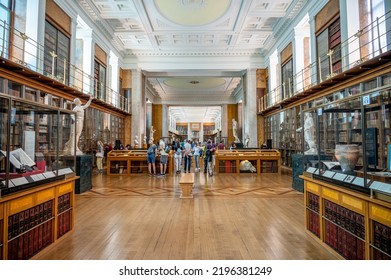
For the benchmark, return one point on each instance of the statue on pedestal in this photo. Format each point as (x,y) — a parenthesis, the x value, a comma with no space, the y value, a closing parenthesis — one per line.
(246,140)
(151,132)
(309,134)
(77,128)
(235,130)
(136,141)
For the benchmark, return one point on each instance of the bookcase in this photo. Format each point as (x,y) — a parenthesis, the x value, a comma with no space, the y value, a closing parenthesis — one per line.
(33,219)
(352,224)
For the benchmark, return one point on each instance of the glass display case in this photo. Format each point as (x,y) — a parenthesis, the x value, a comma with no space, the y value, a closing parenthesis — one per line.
(32,142)
(347,142)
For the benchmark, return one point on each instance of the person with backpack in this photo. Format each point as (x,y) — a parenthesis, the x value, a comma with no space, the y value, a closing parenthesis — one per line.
(164,150)
(151,158)
(188,156)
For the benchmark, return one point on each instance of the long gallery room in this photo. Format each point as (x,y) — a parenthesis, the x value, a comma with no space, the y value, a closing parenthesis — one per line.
(195,130)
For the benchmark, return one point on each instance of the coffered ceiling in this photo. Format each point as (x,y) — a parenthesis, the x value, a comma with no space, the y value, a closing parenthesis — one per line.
(192,51)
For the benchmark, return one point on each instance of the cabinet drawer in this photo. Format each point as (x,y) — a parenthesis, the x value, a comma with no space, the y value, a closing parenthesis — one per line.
(380,214)
(331,195)
(65,188)
(45,195)
(20,204)
(353,203)
(311,187)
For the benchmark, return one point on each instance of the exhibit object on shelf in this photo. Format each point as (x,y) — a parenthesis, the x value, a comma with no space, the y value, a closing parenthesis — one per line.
(72,146)
(245,165)
(347,156)
(136,140)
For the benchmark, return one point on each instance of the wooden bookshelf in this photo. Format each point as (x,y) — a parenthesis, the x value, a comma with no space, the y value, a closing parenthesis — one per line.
(31,220)
(353,225)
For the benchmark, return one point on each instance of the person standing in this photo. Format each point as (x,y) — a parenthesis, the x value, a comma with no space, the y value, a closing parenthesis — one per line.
(188,156)
(178,156)
(151,158)
(197,152)
(99,157)
(163,150)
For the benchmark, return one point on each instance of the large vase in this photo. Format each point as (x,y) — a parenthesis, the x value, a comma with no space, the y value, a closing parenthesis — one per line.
(347,156)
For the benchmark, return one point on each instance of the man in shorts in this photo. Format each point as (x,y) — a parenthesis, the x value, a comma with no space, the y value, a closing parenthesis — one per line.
(151,158)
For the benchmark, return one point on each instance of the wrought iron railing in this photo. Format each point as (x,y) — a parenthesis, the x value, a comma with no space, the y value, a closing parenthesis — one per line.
(17,47)
(368,43)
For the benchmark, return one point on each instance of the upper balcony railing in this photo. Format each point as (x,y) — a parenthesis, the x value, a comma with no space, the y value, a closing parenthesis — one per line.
(368,44)
(16,47)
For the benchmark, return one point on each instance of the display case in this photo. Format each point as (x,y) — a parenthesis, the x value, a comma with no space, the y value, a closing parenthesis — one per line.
(347,180)
(32,141)
(349,144)
(133,162)
(248,161)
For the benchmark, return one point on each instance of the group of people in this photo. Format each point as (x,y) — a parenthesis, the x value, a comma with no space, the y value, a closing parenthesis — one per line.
(201,152)
(184,153)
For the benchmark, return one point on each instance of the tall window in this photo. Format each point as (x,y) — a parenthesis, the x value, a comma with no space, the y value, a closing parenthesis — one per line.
(100,80)
(56,58)
(5,19)
(328,44)
(287,79)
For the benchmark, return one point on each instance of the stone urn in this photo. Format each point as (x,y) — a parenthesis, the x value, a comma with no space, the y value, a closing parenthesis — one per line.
(347,156)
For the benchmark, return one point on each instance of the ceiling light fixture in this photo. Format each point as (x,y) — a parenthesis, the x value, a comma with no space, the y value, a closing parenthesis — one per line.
(194,82)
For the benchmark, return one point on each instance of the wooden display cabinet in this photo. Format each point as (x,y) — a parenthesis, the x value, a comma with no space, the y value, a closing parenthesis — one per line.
(264,161)
(133,162)
(31,220)
(352,224)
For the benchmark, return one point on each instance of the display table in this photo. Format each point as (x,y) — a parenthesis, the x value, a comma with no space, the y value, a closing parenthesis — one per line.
(353,224)
(32,219)
(262,161)
(133,162)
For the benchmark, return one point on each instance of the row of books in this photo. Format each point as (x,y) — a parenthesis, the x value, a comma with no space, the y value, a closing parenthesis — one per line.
(227,166)
(378,255)
(269,166)
(25,246)
(314,223)
(345,243)
(64,223)
(64,202)
(349,220)
(382,237)
(313,201)
(27,219)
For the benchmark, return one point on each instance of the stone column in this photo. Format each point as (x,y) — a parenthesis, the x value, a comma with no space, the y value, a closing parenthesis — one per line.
(250,108)
(138,106)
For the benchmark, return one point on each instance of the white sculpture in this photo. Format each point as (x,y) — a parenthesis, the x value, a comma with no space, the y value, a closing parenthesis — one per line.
(245,165)
(309,134)
(136,140)
(151,132)
(235,130)
(246,140)
(77,128)
(145,140)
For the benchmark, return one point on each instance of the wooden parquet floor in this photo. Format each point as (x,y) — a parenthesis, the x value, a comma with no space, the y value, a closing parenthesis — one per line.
(223,185)
(231,217)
